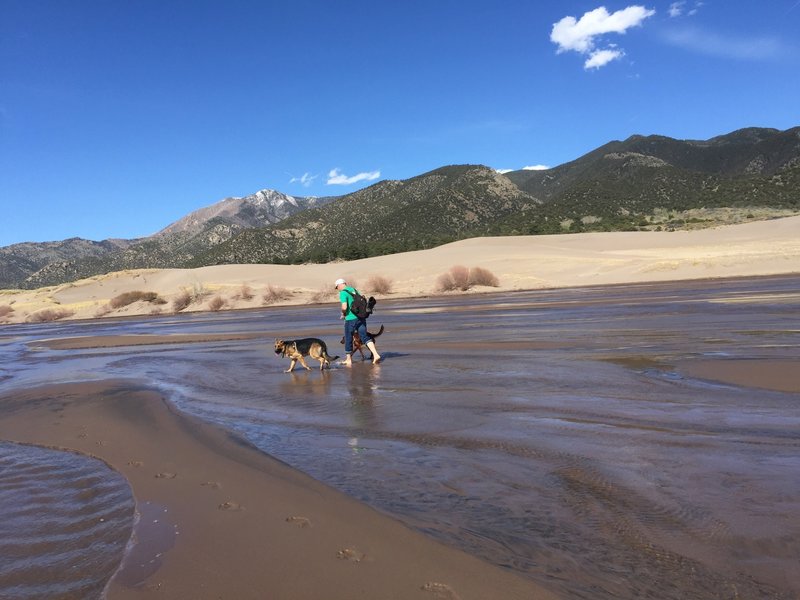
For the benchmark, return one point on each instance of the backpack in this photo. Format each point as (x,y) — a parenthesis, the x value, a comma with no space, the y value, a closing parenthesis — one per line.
(360,306)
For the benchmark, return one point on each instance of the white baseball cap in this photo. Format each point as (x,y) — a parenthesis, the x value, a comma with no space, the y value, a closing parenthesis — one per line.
(339,282)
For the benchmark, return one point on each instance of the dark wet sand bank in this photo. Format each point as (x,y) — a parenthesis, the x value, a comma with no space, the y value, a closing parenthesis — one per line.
(219,519)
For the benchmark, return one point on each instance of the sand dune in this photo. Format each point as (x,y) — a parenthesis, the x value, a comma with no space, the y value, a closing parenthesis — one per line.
(520,263)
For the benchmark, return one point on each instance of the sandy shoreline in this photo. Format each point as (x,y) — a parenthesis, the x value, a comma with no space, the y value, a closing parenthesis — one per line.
(242,525)
(520,263)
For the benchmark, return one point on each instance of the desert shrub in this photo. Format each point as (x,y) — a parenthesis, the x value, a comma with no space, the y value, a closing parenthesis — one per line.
(275,294)
(131,297)
(481,276)
(245,293)
(181,301)
(444,283)
(216,303)
(460,277)
(49,314)
(378,284)
(5,310)
(324,294)
(103,311)
(199,292)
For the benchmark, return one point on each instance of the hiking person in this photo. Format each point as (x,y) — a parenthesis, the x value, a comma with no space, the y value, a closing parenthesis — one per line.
(353,323)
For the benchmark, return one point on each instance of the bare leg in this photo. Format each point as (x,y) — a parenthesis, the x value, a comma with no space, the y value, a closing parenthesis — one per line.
(376,358)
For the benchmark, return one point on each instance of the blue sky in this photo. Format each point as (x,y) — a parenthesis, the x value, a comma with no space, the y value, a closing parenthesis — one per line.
(119,117)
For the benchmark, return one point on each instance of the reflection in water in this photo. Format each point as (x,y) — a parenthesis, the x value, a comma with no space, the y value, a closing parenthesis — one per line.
(563,440)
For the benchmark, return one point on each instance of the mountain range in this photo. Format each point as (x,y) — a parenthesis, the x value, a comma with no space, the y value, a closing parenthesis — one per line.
(643,182)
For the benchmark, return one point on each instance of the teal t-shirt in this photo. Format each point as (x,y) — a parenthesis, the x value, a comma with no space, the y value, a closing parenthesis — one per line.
(345,297)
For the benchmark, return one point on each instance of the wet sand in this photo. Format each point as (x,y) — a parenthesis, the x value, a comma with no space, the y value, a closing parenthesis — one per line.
(220,519)
(632,441)
(780,375)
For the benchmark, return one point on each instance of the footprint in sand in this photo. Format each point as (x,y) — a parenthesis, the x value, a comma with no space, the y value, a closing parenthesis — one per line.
(299,521)
(166,475)
(351,554)
(135,463)
(83,435)
(214,485)
(440,590)
(230,505)
(101,443)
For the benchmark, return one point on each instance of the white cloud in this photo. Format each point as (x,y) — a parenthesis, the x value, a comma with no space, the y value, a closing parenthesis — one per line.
(677,9)
(503,171)
(573,35)
(306,179)
(737,47)
(335,177)
(601,58)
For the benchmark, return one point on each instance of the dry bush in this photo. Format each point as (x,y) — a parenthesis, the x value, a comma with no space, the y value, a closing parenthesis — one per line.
(378,284)
(181,301)
(444,283)
(245,293)
(324,294)
(5,310)
(103,311)
(275,294)
(49,314)
(460,276)
(216,303)
(199,292)
(131,297)
(481,276)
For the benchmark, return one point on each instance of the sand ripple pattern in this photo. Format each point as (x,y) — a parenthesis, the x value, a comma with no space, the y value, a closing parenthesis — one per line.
(66,521)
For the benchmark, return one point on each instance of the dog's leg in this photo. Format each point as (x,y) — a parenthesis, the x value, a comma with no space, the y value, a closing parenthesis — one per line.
(291,366)
(303,362)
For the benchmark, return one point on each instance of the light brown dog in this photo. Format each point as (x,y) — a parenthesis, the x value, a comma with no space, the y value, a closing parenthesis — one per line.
(358,345)
(296,350)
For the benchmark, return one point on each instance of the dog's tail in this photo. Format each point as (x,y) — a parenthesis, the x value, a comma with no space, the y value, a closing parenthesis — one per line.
(325,354)
(374,335)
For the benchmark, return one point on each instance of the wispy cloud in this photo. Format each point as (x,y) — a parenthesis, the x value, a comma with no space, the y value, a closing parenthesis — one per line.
(740,47)
(584,35)
(336,177)
(305,180)
(678,9)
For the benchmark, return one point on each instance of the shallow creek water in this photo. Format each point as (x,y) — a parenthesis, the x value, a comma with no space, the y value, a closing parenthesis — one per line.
(552,432)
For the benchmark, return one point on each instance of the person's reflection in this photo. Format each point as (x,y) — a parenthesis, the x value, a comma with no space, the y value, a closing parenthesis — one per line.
(363,385)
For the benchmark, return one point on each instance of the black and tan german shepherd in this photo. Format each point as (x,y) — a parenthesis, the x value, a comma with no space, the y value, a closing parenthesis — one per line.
(358,345)
(298,349)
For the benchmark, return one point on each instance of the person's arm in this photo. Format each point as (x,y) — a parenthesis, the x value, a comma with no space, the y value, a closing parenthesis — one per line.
(344,310)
